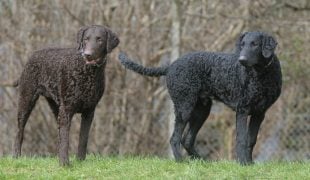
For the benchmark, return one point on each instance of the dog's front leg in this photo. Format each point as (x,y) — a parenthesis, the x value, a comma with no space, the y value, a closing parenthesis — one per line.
(87,119)
(254,124)
(241,137)
(64,122)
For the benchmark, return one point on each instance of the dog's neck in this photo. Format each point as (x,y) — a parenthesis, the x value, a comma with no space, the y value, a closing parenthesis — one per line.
(261,69)
(270,62)
(101,63)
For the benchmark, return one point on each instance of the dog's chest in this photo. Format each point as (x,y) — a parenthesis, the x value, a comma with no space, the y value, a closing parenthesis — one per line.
(260,95)
(85,89)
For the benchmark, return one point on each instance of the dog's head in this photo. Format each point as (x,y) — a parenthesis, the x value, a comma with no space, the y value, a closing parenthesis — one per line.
(256,48)
(95,42)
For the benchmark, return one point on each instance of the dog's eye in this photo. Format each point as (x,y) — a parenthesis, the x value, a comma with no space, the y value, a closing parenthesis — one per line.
(254,43)
(86,38)
(98,39)
(242,44)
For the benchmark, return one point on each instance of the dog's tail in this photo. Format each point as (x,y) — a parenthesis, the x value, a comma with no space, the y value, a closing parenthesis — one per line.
(147,71)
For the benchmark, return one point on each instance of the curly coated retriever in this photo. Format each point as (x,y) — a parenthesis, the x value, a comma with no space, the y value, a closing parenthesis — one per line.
(248,81)
(72,81)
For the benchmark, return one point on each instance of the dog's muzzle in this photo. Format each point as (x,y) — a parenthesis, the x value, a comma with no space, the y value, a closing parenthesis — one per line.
(243,60)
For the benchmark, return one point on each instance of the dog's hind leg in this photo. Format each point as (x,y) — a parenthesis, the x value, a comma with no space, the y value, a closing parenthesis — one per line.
(183,111)
(198,117)
(26,102)
(175,140)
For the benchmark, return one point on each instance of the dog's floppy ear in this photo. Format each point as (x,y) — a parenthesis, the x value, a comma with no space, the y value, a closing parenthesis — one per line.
(269,44)
(112,40)
(238,42)
(80,36)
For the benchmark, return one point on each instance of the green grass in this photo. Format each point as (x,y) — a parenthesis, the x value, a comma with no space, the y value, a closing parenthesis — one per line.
(99,167)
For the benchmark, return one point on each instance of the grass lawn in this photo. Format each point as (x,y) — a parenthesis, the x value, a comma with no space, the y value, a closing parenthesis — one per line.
(100,167)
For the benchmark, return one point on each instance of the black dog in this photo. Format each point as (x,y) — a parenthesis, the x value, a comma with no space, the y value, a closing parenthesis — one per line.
(72,80)
(248,81)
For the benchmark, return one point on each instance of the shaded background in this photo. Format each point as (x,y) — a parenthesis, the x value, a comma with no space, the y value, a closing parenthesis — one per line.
(134,115)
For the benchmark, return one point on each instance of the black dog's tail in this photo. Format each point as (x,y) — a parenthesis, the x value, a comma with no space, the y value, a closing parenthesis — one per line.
(129,64)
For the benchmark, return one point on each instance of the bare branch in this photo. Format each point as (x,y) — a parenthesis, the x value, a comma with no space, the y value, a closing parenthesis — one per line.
(73,16)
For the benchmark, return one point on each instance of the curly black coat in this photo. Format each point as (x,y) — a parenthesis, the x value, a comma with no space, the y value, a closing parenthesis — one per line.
(248,81)
(72,80)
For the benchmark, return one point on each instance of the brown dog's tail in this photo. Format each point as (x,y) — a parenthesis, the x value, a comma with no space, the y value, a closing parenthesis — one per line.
(147,71)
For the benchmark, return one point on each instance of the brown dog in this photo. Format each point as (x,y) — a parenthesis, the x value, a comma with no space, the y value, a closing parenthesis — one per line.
(72,81)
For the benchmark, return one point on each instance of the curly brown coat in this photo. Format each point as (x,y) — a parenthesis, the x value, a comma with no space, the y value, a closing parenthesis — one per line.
(72,80)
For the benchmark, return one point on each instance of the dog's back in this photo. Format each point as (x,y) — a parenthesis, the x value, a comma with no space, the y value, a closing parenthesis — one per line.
(221,77)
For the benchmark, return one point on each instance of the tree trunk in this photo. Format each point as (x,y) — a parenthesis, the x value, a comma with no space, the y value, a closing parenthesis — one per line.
(175,53)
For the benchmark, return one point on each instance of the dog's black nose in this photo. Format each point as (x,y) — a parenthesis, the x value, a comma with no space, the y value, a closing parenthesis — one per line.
(87,56)
(243,60)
